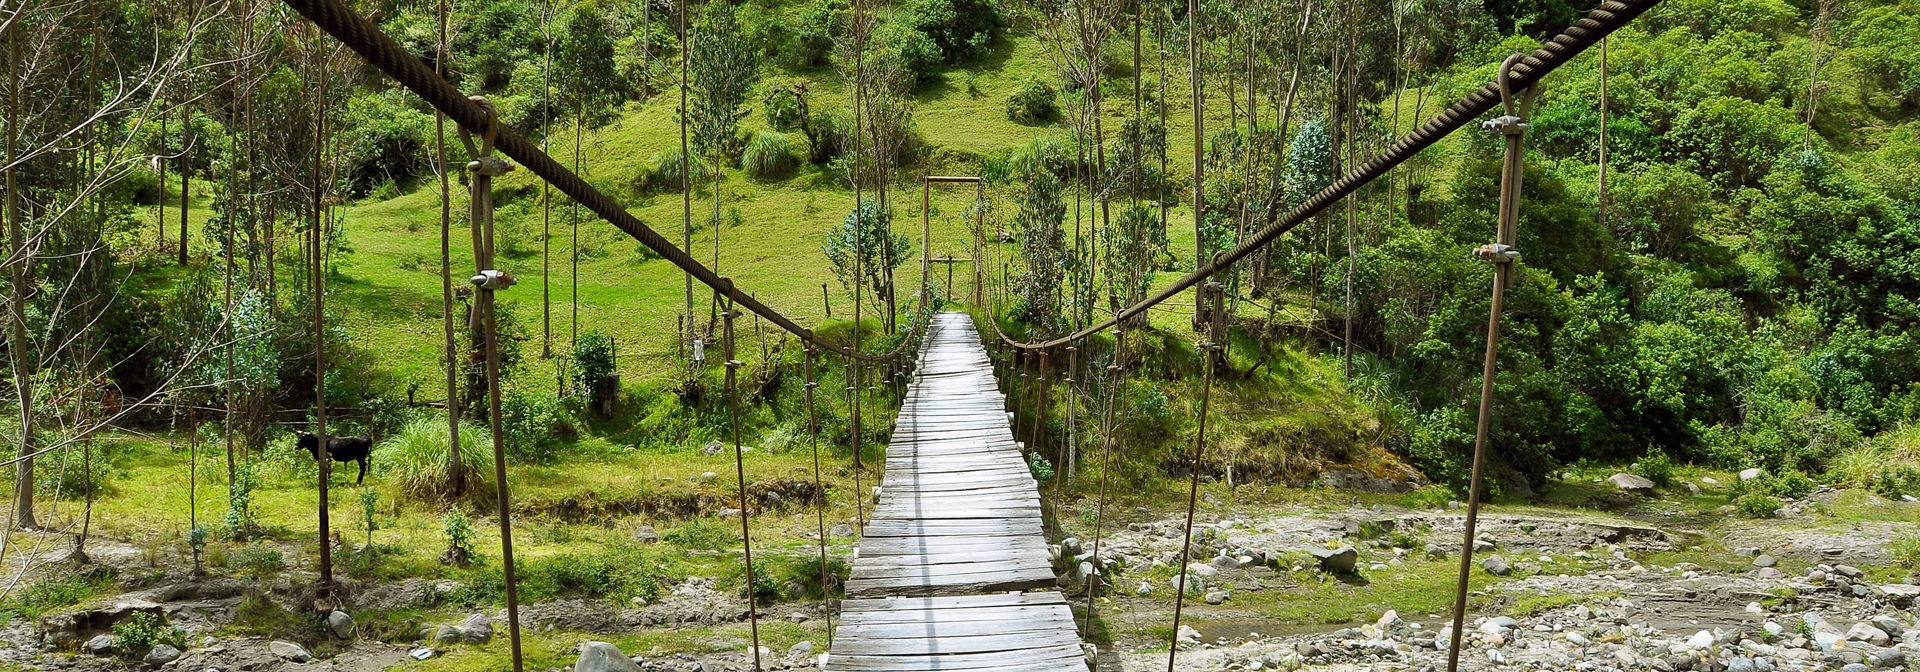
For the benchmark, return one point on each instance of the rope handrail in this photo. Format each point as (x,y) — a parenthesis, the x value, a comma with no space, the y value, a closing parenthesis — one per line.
(1599,22)
(380,50)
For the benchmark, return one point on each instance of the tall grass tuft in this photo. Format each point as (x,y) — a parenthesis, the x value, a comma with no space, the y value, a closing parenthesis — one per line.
(418,466)
(769,156)
(1889,464)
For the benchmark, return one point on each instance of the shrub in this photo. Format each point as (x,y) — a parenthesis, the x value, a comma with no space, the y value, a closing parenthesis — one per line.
(918,54)
(137,635)
(816,30)
(417,460)
(1033,103)
(459,533)
(239,517)
(1655,466)
(1757,505)
(782,108)
(769,156)
(959,29)
(534,425)
(1041,468)
(832,136)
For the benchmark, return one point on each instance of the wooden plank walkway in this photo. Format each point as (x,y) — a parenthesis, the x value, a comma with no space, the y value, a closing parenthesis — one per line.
(939,579)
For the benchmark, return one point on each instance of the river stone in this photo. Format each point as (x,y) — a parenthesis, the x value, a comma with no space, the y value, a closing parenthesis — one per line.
(1889,658)
(100,645)
(1764,560)
(1751,474)
(1216,597)
(1848,571)
(801,649)
(1740,664)
(1631,483)
(289,651)
(1496,565)
(1864,632)
(841,530)
(477,629)
(713,447)
(603,657)
(1335,560)
(1700,640)
(645,534)
(161,655)
(1188,635)
(341,624)
(1855,667)
(1202,571)
(1225,562)
(1888,624)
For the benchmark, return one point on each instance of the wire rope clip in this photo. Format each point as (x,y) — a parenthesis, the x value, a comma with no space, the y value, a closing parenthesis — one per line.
(493,280)
(1495,253)
(490,166)
(734,363)
(1505,125)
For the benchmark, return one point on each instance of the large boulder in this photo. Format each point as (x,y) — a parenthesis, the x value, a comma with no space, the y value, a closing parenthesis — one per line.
(161,655)
(289,651)
(100,645)
(1496,565)
(341,624)
(1335,560)
(645,534)
(1633,483)
(603,657)
(477,629)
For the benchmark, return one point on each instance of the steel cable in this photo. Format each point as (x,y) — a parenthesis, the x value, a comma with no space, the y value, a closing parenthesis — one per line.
(340,20)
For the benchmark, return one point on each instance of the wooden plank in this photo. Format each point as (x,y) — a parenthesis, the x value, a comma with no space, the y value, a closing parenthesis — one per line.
(957,526)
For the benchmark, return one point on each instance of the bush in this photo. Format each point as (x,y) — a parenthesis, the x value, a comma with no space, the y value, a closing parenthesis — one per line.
(1041,468)
(459,533)
(134,637)
(1033,103)
(1655,466)
(832,136)
(1757,505)
(418,460)
(258,561)
(959,29)
(534,425)
(816,30)
(769,156)
(917,53)
(782,108)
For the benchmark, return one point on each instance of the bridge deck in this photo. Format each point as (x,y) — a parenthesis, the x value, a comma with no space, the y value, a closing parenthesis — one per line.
(956,536)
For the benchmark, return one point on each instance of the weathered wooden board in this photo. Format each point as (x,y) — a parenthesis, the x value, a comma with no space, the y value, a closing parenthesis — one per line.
(956,537)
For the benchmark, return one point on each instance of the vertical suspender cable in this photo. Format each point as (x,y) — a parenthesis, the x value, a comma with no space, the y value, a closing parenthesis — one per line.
(1115,378)
(740,474)
(486,281)
(1213,291)
(1513,126)
(317,283)
(820,490)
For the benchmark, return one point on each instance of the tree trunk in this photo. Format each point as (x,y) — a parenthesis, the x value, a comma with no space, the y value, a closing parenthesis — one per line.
(456,469)
(23,360)
(1199,157)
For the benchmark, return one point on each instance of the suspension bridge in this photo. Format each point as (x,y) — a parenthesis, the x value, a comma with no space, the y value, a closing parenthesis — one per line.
(943,570)
(953,568)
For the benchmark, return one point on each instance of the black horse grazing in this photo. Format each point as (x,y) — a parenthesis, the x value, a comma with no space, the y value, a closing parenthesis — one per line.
(340,449)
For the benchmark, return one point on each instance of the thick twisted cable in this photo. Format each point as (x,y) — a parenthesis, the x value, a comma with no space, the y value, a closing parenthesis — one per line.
(1598,23)
(379,50)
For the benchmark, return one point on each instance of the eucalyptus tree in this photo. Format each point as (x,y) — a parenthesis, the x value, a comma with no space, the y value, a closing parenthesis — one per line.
(588,84)
(725,67)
